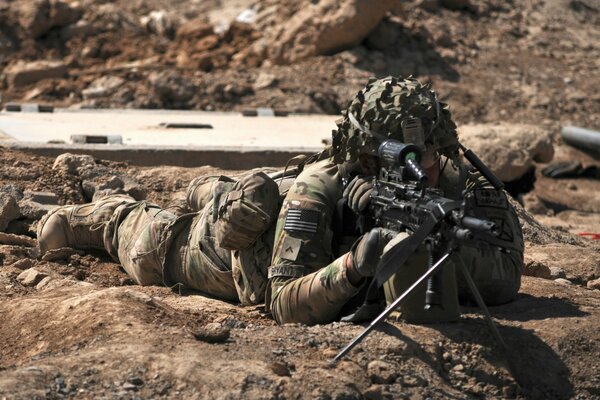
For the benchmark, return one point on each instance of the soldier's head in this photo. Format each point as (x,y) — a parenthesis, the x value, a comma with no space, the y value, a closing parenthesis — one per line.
(394,108)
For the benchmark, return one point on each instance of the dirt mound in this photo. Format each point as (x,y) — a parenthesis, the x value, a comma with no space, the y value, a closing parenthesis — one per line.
(530,62)
(73,325)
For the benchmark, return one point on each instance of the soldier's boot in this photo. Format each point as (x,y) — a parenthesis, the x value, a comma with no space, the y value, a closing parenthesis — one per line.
(78,226)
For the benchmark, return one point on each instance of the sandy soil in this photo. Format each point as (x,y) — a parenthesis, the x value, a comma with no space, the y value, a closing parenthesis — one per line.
(85,331)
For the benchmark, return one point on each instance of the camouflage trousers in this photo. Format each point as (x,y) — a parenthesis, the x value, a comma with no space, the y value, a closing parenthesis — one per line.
(223,250)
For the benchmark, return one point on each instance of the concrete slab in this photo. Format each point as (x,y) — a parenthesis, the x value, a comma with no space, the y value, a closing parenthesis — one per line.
(234,141)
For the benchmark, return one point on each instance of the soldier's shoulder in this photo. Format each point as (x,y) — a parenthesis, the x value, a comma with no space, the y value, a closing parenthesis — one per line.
(321,179)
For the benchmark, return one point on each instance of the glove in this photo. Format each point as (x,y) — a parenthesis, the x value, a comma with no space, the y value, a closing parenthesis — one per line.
(367,251)
(358,192)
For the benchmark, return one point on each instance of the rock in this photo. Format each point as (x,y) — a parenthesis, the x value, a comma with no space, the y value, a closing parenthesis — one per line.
(537,269)
(414,380)
(159,22)
(73,163)
(563,281)
(212,333)
(195,29)
(594,284)
(23,73)
(381,372)
(510,150)
(63,253)
(324,27)
(12,190)
(171,87)
(377,392)
(37,17)
(101,87)
(23,264)
(41,197)
(279,368)
(34,210)
(9,210)
(17,240)
(43,284)
(30,277)
(80,29)
(264,80)
(557,272)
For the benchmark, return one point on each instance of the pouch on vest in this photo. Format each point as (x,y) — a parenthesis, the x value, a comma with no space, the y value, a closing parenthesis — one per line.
(247,211)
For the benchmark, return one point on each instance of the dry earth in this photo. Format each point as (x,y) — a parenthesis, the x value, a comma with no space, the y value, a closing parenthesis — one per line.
(74,326)
(79,328)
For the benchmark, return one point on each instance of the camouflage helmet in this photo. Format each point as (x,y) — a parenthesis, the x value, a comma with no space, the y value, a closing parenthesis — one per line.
(384,109)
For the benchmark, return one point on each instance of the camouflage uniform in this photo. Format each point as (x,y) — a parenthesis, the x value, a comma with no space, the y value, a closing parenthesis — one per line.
(223,250)
(309,273)
(308,279)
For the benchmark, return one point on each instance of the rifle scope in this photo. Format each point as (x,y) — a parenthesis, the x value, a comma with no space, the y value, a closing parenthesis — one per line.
(395,153)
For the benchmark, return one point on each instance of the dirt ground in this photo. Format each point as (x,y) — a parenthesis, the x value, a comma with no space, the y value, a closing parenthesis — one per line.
(81,329)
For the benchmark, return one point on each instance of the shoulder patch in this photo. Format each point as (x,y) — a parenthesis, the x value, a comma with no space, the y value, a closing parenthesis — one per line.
(301,220)
(290,248)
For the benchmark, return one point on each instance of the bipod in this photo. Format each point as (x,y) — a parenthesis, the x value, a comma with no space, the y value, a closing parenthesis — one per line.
(479,300)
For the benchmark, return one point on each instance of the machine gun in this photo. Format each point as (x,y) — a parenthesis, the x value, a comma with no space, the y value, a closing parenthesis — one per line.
(403,201)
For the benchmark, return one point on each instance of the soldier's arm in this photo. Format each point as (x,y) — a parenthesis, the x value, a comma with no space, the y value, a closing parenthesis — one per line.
(307,285)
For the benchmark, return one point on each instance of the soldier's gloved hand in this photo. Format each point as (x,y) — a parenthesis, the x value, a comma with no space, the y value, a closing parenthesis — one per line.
(358,192)
(367,251)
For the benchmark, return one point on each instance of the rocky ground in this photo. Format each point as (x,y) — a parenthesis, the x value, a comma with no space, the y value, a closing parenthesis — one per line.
(73,325)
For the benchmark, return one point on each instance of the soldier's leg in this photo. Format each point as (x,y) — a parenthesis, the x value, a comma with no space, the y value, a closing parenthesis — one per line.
(201,190)
(78,226)
(137,236)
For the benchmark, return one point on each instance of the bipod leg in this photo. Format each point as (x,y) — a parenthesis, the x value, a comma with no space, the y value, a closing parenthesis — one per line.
(391,307)
(487,316)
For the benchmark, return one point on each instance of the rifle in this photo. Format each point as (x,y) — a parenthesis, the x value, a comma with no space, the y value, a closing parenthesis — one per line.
(403,201)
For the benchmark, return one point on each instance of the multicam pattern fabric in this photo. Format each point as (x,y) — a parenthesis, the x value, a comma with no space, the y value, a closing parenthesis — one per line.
(155,246)
(308,281)
(381,107)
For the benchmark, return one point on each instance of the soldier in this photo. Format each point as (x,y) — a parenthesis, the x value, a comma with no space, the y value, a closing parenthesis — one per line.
(320,263)
(222,250)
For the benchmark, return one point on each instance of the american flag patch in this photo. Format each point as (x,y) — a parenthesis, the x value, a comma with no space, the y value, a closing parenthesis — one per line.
(299,220)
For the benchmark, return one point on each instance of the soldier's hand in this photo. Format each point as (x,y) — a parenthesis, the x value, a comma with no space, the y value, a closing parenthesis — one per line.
(368,250)
(358,192)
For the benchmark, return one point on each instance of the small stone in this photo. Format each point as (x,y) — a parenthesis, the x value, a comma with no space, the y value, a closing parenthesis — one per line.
(594,284)
(43,283)
(537,269)
(30,277)
(413,381)
(41,197)
(381,372)
(9,210)
(63,253)
(129,386)
(376,392)
(24,73)
(34,210)
(458,368)
(280,369)
(563,281)
(23,264)
(557,272)
(212,333)
(71,163)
